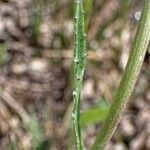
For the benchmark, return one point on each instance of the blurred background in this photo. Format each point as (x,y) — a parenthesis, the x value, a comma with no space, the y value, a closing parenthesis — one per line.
(36,75)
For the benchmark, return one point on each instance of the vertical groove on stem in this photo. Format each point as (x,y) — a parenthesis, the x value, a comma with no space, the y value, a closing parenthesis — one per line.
(128,81)
(79,66)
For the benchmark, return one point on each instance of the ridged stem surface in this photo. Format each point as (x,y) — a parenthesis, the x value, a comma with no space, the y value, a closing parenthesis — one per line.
(128,80)
(79,65)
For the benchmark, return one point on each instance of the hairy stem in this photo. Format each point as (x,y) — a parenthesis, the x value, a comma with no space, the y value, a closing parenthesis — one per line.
(128,81)
(79,65)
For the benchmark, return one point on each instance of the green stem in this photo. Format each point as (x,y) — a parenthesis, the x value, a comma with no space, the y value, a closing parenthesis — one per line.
(128,80)
(79,66)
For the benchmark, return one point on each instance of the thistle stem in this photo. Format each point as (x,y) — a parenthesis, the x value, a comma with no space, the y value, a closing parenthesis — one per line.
(128,80)
(79,66)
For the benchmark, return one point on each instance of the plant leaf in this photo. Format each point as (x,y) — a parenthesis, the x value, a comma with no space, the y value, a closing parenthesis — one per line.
(93,115)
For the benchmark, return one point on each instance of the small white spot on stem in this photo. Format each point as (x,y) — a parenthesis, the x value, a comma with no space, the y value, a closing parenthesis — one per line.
(138,15)
(78,78)
(85,35)
(76,60)
(74,93)
(140,58)
(85,54)
(73,116)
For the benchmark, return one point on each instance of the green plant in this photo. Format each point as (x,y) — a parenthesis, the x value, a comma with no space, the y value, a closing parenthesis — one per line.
(36,19)
(95,114)
(128,80)
(35,130)
(88,4)
(127,83)
(79,65)
(12,146)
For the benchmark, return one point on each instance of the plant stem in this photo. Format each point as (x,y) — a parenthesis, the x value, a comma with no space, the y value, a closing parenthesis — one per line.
(128,81)
(79,66)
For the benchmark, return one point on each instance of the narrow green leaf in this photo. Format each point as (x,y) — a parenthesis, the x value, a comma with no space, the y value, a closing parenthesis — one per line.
(88,5)
(93,115)
(35,130)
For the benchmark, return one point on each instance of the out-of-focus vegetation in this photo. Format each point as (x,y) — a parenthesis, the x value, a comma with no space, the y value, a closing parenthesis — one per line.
(3,54)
